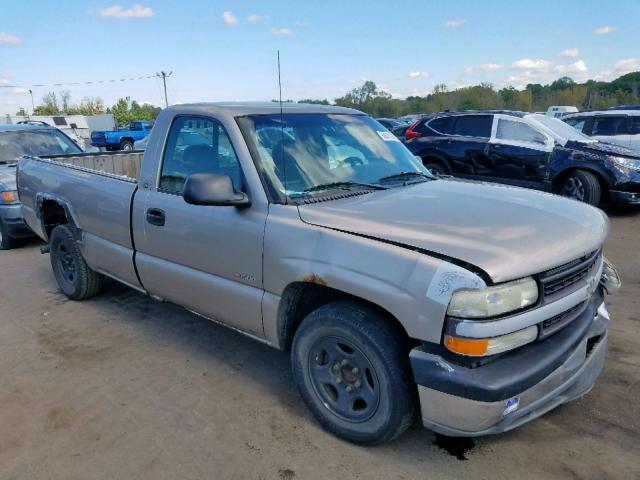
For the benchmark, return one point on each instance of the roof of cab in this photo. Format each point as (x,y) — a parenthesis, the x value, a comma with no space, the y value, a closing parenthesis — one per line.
(239,109)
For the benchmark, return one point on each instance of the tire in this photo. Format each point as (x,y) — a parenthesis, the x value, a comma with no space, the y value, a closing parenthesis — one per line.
(126,145)
(351,366)
(582,186)
(435,167)
(76,280)
(6,242)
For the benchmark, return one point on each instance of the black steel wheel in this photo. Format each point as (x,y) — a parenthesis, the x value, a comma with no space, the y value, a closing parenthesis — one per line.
(351,366)
(76,280)
(344,378)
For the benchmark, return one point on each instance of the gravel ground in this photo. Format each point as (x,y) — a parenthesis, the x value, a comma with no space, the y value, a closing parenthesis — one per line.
(124,387)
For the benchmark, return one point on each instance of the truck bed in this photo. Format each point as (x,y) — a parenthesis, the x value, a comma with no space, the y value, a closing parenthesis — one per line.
(116,163)
(96,191)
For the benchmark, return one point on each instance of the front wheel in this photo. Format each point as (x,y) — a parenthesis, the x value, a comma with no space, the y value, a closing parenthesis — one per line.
(351,366)
(76,280)
(582,186)
(6,242)
(126,145)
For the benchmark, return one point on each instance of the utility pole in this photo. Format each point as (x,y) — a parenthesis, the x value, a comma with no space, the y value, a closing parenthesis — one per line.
(32,104)
(164,76)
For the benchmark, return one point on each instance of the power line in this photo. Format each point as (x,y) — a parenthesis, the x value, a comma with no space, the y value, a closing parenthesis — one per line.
(89,82)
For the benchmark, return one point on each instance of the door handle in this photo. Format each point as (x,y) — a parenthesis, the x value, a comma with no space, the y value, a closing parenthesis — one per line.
(155,216)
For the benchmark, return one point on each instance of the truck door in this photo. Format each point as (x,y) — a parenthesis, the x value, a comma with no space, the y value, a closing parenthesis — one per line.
(206,258)
(517,151)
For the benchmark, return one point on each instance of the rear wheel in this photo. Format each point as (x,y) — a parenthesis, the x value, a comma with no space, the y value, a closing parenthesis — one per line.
(435,166)
(583,186)
(6,242)
(76,280)
(126,145)
(351,367)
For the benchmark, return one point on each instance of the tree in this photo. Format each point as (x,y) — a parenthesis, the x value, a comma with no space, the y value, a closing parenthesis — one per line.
(49,105)
(126,111)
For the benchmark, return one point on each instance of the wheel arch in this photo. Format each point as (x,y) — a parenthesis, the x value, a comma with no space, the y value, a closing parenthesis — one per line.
(301,298)
(53,211)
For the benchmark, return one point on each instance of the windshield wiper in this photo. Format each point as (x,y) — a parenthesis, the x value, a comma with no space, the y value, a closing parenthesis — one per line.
(406,175)
(344,186)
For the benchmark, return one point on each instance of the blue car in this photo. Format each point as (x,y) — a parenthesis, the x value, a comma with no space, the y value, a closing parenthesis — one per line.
(122,139)
(15,141)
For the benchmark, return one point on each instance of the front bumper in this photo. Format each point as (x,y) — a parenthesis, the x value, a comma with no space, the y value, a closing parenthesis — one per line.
(624,198)
(11,216)
(474,402)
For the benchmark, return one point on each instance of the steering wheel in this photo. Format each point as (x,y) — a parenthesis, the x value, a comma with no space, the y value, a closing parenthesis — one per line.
(353,161)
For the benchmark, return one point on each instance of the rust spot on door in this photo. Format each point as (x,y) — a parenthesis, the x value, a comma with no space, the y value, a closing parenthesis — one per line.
(317,279)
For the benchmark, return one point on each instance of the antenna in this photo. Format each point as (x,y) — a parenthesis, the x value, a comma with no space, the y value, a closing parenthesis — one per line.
(284,163)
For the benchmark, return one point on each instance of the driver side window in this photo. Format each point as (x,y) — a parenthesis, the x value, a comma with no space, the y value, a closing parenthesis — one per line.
(197,145)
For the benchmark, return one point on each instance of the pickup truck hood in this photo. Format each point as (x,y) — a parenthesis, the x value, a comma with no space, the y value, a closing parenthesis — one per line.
(508,232)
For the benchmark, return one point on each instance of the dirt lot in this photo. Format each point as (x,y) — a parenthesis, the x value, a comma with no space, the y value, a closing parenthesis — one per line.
(124,387)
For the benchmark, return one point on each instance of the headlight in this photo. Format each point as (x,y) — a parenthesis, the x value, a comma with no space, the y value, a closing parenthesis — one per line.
(9,196)
(493,301)
(630,163)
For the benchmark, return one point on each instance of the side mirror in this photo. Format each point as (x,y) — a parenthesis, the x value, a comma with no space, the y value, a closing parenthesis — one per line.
(213,190)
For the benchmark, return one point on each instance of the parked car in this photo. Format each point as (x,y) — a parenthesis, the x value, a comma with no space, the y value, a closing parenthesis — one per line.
(396,127)
(528,150)
(559,111)
(15,141)
(625,107)
(389,285)
(121,139)
(621,127)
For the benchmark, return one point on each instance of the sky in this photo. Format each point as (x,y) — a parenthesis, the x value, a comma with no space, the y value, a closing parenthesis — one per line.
(221,50)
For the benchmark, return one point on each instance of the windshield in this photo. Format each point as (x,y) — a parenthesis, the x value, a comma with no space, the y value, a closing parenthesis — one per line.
(300,153)
(14,144)
(560,130)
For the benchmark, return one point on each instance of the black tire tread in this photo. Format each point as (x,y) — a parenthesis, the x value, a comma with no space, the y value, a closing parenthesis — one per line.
(7,241)
(388,342)
(593,191)
(90,282)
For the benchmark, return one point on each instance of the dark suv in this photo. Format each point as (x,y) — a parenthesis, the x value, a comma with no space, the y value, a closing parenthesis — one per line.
(528,150)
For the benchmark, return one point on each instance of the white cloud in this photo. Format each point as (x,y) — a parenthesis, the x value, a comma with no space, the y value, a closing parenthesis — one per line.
(417,74)
(8,39)
(254,17)
(531,64)
(281,31)
(484,67)
(229,18)
(301,23)
(569,53)
(136,11)
(604,30)
(576,67)
(457,23)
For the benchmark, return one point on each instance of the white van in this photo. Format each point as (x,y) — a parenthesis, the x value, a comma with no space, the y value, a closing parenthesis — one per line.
(558,111)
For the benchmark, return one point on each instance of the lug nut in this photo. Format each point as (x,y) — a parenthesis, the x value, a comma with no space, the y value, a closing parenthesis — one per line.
(338,380)
(344,362)
(357,384)
(354,370)
(349,388)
